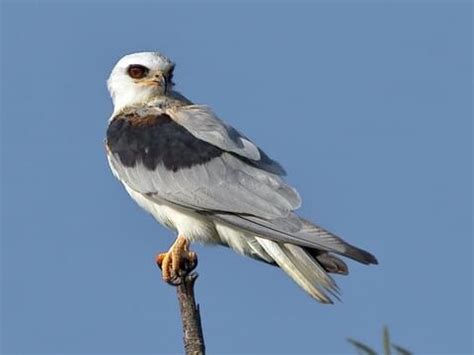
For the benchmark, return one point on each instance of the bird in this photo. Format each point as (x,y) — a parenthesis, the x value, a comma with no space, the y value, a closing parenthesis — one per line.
(209,183)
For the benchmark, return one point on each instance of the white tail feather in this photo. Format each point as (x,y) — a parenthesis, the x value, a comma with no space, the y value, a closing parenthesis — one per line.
(312,269)
(307,276)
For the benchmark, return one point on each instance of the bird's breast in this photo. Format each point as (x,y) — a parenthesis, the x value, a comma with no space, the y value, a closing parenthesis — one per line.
(195,226)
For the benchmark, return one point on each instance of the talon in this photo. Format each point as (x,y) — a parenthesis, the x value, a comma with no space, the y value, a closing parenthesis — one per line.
(191,261)
(177,262)
(164,260)
(159,259)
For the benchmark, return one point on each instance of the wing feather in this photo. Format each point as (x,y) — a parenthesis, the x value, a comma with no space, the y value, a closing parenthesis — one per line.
(296,230)
(203,123)
(224,184)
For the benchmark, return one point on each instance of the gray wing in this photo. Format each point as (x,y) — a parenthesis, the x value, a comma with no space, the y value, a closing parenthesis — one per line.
(223,184)
(296,230)
(202,123)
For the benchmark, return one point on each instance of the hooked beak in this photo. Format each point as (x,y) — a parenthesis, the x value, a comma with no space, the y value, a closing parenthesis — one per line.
(158,80)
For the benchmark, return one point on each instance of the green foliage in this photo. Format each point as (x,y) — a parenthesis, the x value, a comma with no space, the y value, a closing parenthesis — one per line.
(363,349)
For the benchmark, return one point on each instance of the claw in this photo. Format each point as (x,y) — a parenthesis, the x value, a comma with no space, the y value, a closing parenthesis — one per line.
(177,262)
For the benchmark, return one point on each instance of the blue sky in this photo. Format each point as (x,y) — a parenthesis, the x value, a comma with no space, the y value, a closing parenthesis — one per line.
(366,104)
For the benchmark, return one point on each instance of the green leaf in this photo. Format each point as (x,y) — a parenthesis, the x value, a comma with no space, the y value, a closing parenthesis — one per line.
(386,341)
(362,348)
(400,350)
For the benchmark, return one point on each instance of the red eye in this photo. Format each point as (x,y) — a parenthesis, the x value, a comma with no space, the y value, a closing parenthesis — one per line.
(137,71)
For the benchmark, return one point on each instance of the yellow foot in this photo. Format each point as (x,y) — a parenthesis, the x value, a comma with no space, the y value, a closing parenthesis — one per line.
(177,262)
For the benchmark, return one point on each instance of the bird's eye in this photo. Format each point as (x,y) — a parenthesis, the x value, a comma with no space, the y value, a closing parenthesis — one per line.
(137,71)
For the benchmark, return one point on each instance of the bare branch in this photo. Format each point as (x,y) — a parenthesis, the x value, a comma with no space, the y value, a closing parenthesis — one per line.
(192,329)
(184,280)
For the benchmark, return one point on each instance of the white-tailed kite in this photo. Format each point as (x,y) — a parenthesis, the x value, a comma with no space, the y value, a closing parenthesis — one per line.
(204,179)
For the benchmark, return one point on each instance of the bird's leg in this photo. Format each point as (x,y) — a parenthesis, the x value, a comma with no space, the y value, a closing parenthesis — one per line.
(177,262)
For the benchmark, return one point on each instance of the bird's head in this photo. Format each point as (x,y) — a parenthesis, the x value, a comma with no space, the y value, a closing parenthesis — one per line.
(138,78)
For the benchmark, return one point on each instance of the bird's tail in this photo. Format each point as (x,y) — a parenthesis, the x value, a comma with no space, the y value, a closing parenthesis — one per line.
(303,268)
(304,250)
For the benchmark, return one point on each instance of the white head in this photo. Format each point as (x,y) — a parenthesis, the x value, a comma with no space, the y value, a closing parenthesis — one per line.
(138,78)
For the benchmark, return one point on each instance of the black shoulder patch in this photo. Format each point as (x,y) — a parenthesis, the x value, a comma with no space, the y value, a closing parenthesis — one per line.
(156,139)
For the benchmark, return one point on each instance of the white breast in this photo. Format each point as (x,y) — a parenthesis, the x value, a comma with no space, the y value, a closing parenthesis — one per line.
(193,226)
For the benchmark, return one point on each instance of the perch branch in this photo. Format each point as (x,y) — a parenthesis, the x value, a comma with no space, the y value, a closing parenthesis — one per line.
(190,316)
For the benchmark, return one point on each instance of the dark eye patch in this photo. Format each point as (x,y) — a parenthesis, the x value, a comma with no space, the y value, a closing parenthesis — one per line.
(137,71)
